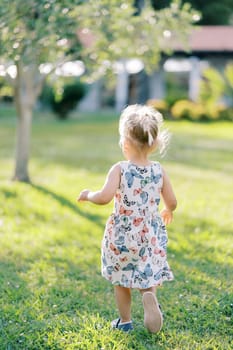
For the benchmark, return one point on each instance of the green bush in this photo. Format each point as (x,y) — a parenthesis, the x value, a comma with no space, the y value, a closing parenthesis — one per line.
(226,113)
(176,87)
(185,109)
(159,105)
(68,100)
(62,98)
(46,96)
(198,112)
(6,91)
(182,109)
(171,99)
(216,86)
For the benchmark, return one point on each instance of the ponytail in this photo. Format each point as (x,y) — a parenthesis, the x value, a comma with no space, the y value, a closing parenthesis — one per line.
(142,124)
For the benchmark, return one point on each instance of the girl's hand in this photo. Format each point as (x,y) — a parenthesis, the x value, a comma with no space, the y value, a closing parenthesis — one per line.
(167,216)
(83,196)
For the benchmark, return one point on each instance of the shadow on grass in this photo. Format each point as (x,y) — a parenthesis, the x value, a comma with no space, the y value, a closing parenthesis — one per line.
(67,203)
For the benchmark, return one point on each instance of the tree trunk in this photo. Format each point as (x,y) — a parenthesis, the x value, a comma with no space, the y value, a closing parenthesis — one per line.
(23,132)
(27,87)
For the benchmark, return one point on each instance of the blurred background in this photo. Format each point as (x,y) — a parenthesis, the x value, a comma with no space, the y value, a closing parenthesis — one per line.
(180,61)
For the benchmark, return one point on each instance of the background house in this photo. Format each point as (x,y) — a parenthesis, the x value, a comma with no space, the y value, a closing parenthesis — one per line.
(208,46)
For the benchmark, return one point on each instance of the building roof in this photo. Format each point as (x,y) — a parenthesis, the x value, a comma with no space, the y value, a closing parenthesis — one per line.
(215,39)
(203,39)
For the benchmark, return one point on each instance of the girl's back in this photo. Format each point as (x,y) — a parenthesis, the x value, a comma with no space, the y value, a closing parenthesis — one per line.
(140,188)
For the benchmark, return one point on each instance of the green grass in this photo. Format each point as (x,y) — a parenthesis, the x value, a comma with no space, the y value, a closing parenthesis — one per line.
(52,295)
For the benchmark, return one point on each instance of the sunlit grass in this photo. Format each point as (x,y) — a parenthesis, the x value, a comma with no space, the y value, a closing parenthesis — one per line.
(51,293)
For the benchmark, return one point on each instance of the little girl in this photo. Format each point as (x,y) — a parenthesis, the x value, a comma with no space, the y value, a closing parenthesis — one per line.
(135,237)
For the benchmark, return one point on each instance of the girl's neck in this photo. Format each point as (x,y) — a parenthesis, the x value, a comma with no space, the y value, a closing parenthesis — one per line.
(136,155)
(140,160)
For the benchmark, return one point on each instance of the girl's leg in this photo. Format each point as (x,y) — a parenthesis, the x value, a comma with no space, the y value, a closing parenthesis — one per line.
(151,289)
(123,301)
(153,318)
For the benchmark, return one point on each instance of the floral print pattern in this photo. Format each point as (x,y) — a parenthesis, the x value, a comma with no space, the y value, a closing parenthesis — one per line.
(135,238)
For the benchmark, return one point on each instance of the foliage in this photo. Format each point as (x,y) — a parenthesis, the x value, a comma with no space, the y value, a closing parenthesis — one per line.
(216,86)
(55,31)
(213,12)
(159,105)
(176,87)
(41,35)
(182,109)
(36,32)
(6,91)
(62,96)
(67,99)
(46,96)
(215,99)
(229,75)
(123,34)
(52,294)
(226,113)
(186,109)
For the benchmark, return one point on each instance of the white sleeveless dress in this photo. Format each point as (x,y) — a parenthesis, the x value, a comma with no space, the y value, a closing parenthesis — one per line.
(135,239)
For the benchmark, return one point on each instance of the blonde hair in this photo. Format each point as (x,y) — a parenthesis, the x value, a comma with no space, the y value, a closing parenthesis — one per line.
(142,126)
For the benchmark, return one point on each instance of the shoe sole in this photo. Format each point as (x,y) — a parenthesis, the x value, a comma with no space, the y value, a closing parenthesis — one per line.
(153,318)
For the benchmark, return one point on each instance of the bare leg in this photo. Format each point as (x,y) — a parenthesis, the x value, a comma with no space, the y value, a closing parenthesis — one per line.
(123,301)
(151,289)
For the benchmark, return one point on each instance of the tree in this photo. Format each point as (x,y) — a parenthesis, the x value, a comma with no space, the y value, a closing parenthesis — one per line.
(35,33)
(214,12)
(97,32)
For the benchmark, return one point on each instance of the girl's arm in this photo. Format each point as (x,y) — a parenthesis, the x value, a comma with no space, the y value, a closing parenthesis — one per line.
(169,199)
(106,194)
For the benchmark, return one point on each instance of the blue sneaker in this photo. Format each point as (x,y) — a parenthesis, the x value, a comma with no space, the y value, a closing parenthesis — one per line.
(125,327)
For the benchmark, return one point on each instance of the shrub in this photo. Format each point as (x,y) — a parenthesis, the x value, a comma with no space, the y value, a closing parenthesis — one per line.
(62,98)
(226,114)
(213,112)
(46,96)
(216,86)
(171,99)
(6,91)
(182,109)
(198,112)
(71,95)
(159,105)
(185,109)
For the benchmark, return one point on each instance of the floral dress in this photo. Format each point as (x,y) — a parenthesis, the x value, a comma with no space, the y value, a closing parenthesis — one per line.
(135,237)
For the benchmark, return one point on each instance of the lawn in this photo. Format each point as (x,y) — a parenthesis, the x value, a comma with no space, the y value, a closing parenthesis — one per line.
(52,295)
